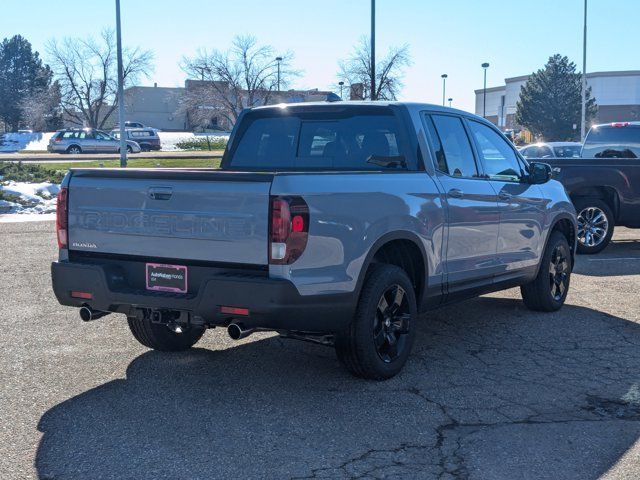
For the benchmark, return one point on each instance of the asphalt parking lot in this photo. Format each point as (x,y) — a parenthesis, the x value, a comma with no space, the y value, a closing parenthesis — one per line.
(492,391)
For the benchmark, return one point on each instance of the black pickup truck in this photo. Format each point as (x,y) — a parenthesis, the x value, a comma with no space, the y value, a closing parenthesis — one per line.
(604,184)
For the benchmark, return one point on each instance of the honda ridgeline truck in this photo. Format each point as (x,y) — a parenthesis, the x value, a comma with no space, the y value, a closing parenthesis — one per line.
(337,223)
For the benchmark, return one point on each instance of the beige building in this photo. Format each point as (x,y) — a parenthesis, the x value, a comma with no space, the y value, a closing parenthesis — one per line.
(195,107)
(616,93)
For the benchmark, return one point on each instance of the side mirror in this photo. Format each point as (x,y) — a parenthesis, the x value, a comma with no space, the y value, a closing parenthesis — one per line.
(539,173)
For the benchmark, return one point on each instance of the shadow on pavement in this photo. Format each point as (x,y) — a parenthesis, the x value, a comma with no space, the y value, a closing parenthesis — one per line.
(492,390)
(620,258)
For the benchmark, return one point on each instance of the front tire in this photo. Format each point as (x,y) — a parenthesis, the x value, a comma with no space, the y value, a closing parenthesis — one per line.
(378,342)
(595,225)
(548,291)
(159,337)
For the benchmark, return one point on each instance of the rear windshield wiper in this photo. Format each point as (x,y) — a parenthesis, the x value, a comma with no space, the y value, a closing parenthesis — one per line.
(388,162)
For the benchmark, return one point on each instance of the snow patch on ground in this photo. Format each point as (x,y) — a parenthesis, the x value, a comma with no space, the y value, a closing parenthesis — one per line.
(14,142)
(31,197)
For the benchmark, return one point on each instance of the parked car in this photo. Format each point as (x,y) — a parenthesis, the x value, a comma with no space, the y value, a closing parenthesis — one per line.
(147,138)
(604,184)
(87,140)
(552,150)
(332,223)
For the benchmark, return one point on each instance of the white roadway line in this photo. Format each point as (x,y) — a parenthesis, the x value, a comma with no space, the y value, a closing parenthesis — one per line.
(617,258)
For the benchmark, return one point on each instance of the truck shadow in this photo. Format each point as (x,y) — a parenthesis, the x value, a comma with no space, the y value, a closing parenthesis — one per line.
(491,389)
(620,258)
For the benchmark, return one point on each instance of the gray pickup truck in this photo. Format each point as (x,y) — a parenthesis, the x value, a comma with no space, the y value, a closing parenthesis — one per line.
(336,223)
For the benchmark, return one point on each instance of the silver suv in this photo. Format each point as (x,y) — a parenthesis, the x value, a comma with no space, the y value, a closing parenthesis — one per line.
(87,140)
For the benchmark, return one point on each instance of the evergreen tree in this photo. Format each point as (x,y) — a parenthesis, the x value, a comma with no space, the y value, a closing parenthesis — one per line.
(22,75)
(551,101)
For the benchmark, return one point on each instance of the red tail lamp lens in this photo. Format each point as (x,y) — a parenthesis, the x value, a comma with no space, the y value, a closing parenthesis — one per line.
(62,216)
(289,229)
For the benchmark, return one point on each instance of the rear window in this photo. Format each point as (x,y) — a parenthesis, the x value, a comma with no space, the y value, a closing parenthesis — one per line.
(572,151)
(612,142)
(365,140)
(141,134)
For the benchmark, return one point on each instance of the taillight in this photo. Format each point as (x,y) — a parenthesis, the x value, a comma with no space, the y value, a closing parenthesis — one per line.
(620,124)
(62,218)
(289,229)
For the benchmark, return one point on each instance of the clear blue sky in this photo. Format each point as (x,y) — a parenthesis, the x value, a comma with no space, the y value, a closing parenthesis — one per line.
(445,36)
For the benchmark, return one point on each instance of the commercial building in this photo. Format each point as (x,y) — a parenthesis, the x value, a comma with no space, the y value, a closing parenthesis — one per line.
(199,105)
(616,93)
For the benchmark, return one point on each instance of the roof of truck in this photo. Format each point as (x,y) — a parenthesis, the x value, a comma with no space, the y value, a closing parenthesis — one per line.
(366,103)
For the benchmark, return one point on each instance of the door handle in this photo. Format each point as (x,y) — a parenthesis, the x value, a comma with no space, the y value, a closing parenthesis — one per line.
(160,193)
(455,193)
(505,196)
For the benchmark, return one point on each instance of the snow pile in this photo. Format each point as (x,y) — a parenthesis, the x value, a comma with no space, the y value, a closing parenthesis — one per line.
(29,197)
(168,140)
(14,142)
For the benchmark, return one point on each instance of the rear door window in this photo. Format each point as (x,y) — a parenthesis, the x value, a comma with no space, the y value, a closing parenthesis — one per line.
(452,147)
(319,140)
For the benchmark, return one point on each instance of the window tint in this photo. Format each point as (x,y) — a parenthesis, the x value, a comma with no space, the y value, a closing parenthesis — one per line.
(318,140)
(499,159)
(612,142)
(454,155)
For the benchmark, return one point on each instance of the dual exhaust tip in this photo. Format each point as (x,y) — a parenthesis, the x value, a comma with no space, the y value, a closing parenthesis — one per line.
(236,331)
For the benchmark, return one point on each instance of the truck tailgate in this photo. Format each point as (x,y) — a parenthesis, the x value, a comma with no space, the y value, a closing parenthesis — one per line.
(186,214)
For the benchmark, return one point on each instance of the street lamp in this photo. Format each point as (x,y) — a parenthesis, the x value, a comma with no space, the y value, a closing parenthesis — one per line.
(373,49)
(123,140)
(583,113)
(484,91)
(450,100)
(341,86)
(444,85)
(278,59)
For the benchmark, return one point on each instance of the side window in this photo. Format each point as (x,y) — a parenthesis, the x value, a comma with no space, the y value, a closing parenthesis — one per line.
(454,153)
(102,136)
(545,152)
(500,161)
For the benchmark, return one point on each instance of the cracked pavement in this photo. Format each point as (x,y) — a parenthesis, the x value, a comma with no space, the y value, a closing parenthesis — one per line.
(492,390)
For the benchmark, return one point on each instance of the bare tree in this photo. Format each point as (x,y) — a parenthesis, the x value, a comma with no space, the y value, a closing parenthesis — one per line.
(87,72)
(244,76)
(41,111)
(389,70)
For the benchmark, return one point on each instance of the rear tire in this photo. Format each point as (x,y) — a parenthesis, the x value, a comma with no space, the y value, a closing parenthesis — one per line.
(378,342)
(159,337)
(74,150)
(548,291)
(595,224)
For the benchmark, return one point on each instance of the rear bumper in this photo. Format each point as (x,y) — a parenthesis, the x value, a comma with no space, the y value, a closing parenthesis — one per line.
(273,303)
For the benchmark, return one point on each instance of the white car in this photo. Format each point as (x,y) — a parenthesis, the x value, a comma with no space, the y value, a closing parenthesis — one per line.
(552,150)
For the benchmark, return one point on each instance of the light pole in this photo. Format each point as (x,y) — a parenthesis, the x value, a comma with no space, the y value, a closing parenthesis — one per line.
(484,91)
(450,100)
(278,59)
(444,86)
(583,113)
(373,49)
(341,86)
(123,140)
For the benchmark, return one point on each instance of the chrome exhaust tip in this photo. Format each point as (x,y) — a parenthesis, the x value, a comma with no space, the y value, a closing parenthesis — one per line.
(238,332)
(87,314)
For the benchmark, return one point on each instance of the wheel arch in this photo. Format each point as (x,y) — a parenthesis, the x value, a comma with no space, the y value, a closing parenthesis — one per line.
(403,249)
(565,224)
(607,194)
